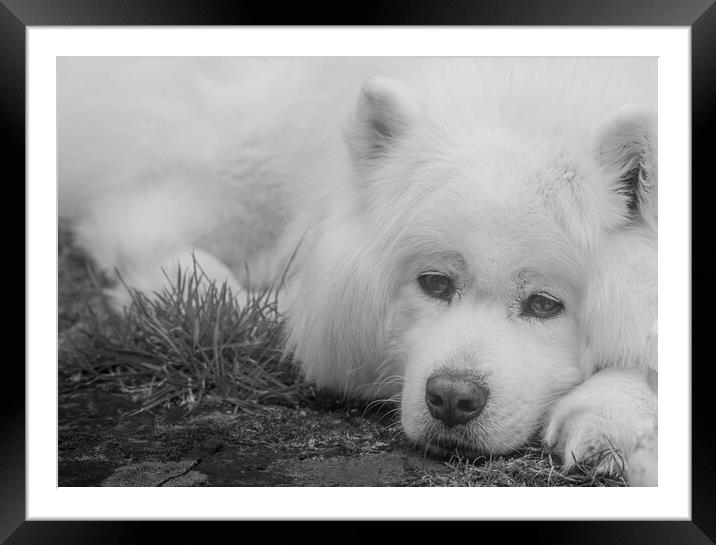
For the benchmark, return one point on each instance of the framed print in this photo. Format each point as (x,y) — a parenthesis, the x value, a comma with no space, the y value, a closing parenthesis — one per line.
(175,400)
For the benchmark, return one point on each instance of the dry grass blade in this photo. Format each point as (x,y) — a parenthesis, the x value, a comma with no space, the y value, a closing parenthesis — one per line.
(531,467)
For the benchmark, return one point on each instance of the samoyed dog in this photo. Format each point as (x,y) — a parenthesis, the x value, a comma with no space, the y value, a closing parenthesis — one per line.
(474,239)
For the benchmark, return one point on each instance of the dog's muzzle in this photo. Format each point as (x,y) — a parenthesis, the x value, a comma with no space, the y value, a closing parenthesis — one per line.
(454,397)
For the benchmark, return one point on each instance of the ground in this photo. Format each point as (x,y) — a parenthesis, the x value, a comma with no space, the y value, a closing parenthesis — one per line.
(109,435)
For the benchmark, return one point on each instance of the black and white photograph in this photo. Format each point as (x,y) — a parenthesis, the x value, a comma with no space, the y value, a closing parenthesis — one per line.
(382,263)
(357,271)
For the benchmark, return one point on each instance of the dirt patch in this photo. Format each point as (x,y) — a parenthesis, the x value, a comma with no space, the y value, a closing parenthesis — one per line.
(148,473)
(272,446)
(388,469)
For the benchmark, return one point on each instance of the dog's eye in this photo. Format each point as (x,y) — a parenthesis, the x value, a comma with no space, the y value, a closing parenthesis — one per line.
(542,305)
(437,285)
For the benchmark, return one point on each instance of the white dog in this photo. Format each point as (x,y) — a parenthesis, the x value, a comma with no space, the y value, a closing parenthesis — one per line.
(475,238)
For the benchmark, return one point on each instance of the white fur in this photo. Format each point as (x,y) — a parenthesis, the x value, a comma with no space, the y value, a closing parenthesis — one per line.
(614,408)
(504,173)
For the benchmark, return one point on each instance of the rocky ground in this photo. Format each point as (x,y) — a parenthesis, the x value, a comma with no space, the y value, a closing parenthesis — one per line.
(211,446)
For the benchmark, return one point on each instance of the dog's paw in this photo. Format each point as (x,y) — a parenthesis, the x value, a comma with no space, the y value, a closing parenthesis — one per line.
(583,436)
(186,272)
(643,461)
(598,424)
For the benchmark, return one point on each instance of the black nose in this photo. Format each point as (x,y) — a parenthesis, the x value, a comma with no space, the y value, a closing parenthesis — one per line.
(454,398)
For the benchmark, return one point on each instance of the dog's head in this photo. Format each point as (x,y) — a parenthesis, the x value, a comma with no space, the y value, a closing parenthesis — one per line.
(464,272)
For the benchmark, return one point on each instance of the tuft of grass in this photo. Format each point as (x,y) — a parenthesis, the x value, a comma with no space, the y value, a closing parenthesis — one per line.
(191,341)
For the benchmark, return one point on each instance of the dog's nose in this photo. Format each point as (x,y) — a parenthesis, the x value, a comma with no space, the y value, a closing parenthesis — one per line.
(454,398)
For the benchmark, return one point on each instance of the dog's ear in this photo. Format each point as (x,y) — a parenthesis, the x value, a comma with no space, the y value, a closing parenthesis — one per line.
(337,312)
(625,146)
(386,111)
(619,308)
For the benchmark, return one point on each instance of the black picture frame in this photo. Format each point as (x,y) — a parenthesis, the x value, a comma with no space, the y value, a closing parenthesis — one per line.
(17,15)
